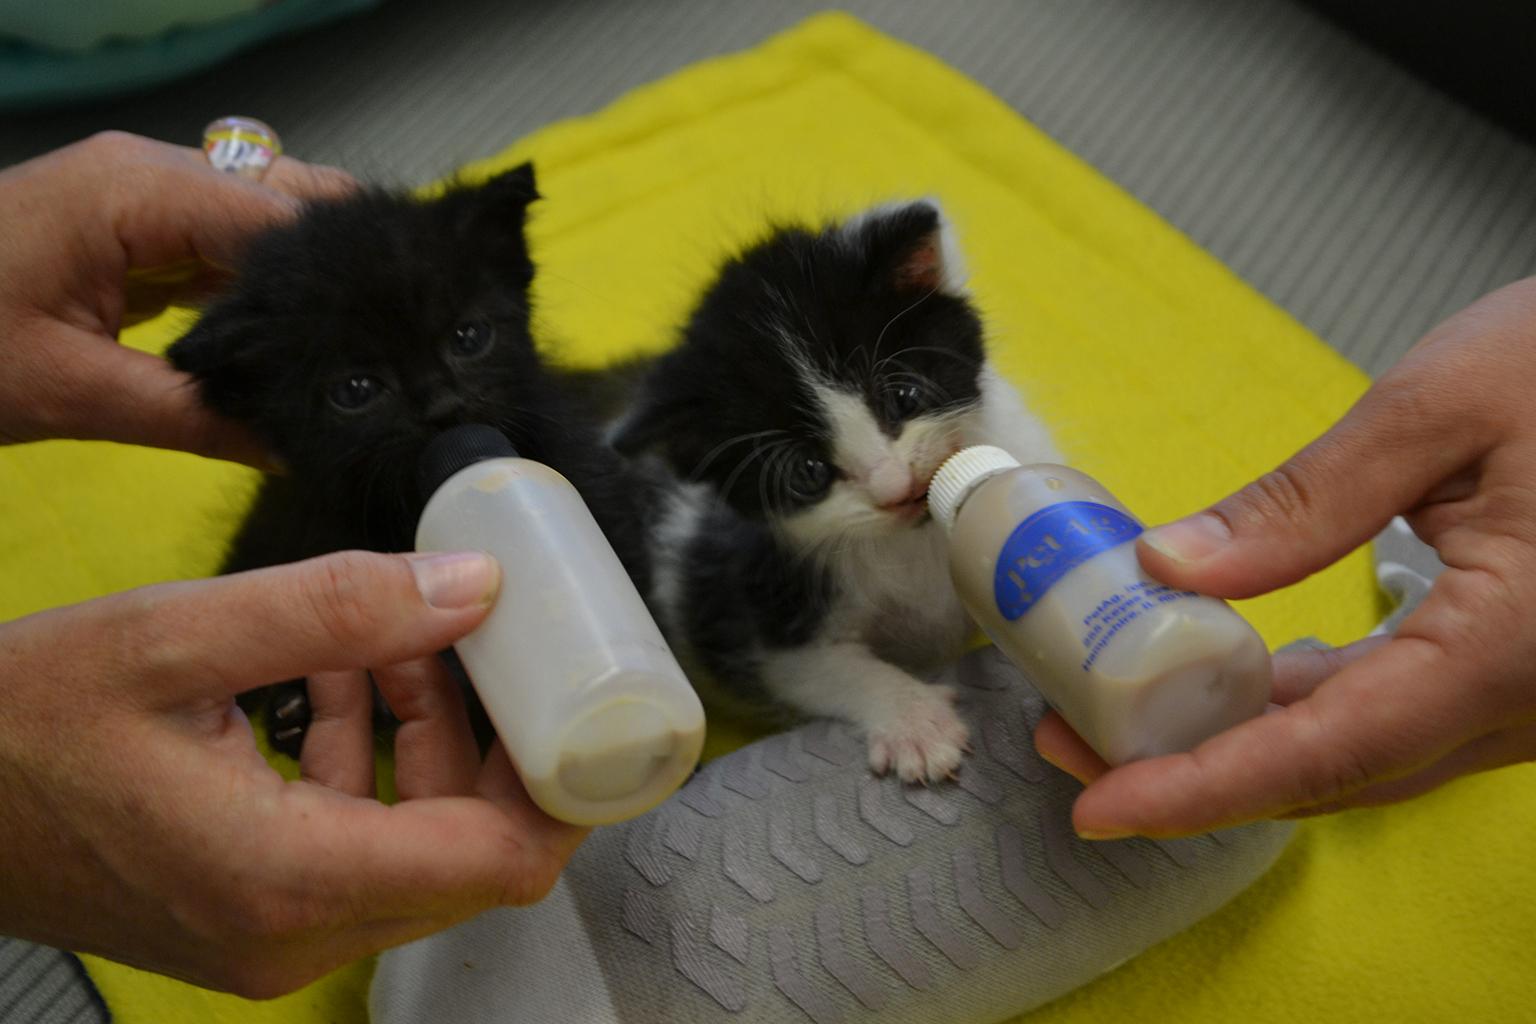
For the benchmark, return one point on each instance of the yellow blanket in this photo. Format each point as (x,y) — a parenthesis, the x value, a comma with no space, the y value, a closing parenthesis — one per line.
(1163,375)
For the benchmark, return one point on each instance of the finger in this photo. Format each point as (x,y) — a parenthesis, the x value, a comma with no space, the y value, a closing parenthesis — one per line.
(289,174)
(1297,672)
(338,746)
(498,778)
(342,611)
(435,751)
(1385,455)
(166,207)
(1383,716)
(309,182)
(432,857)
(294,178)
(1301,670)
(102,391)
(1486,753)
(1058,743)
(499,783)
(151,290)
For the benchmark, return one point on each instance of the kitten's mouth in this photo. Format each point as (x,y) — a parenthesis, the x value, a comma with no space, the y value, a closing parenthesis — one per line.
(913,510)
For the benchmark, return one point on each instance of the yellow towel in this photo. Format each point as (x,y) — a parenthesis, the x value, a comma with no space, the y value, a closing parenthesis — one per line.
(1162,373)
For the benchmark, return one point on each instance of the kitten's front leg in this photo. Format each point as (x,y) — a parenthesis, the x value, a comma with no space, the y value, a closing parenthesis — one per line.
(286,712)
(911,726)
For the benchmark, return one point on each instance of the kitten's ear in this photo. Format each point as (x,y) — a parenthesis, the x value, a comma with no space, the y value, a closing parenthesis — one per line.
(912,246)
(507,195)
(652,418)
(494,216)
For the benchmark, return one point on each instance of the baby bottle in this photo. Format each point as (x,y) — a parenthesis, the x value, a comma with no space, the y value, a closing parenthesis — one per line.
(584,693)
(1044,559)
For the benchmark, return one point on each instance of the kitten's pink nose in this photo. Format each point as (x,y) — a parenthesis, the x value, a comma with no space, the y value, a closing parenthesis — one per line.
(893,484)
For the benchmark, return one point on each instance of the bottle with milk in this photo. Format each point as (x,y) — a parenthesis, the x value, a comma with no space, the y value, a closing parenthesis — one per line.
(1045,560)
(584,693)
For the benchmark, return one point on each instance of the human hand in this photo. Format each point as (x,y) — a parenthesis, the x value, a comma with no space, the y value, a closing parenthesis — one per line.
(142,823)
(99,235)
(1447,439)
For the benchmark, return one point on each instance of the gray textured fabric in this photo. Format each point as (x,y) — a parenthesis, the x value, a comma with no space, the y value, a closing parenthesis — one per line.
(1360,200)
(39,985)
(540,958)
(786,883)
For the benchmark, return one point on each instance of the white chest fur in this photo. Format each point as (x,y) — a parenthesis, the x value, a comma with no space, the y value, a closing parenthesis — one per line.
(896,596)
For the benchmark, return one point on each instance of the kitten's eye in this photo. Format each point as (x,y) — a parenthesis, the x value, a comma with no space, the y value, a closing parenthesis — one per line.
(809,478)
(354,392)
(472,338)
(903,400)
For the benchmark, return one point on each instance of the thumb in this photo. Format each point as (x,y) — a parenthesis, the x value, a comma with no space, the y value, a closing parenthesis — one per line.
(1381,459)
(349,610)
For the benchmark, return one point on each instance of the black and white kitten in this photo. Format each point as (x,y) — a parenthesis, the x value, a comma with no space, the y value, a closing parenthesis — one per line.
(353,337)
(819,384)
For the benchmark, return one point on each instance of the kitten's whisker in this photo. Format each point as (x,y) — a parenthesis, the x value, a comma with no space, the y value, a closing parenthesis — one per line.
(774,468)
(921,299)
(938,395)
(780,494)
(860,351)
(720,448)
(952,417)
(949,353)
(741,467)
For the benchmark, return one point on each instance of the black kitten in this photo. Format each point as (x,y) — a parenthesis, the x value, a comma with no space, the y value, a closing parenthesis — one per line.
(819,384)
(353,337)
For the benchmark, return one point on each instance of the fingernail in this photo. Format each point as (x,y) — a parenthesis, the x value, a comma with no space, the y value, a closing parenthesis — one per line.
(459,579)
(1103,833)
(1189,540)
(1048,759)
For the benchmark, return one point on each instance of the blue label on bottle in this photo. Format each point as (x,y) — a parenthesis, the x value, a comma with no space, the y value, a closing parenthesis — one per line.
(1051,543)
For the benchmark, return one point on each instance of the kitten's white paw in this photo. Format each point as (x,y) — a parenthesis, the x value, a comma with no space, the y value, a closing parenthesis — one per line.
(922,739)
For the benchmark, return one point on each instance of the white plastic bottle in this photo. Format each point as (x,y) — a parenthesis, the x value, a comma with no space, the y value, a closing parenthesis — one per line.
(584,693)
(1044,559)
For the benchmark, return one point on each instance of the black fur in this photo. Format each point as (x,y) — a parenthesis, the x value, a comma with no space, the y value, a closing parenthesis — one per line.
(743,590)
(383,286)
(863,305)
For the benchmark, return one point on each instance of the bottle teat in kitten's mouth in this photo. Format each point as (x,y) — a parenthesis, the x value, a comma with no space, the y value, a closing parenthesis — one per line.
(912,510)
(911,507)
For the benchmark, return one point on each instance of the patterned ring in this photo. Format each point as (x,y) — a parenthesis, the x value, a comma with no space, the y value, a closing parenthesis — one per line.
(241,145)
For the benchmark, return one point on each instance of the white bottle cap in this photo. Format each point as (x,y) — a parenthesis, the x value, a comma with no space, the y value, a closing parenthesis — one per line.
(959,474)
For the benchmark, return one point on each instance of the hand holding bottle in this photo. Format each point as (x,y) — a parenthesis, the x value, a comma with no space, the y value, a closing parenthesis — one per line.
(1447,439)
